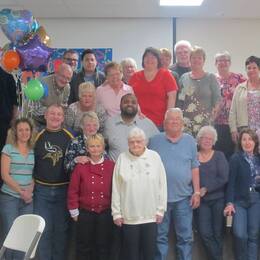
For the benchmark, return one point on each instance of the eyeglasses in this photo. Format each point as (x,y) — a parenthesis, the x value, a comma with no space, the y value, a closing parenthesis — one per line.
(223,60)
(70,59)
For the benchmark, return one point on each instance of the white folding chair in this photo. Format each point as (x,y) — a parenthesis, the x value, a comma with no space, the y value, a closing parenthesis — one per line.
(24,235)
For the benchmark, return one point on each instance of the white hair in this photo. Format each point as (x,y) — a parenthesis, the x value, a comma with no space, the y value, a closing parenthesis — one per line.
(128,61)
(207,130)
(89,116)
(173,110)
(224,54)
(182,43)
(136,132)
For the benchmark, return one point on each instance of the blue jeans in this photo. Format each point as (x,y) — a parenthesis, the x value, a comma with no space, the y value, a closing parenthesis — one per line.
(181,213)
(50,202)
(210,225)
(12,207)
(246,225)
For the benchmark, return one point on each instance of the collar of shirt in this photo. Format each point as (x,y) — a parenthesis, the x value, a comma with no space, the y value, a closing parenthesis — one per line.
(56,88)
(100,161)
(142,156)
(121,121)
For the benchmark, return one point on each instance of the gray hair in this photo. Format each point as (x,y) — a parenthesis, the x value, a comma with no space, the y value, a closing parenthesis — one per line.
(89,116)
(182,43)
(173,110)
(224,54)
(136,132)
(128,61)
(207,130)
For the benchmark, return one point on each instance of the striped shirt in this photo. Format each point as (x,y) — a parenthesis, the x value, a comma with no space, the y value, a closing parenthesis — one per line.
(21,168)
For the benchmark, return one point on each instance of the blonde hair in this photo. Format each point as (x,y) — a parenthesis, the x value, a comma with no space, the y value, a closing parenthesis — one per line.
(197,50)
(86,87)
(166,52)
(95,139)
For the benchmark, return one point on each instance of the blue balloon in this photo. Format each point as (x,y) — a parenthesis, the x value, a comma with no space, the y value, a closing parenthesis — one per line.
(45,88)
(17,24)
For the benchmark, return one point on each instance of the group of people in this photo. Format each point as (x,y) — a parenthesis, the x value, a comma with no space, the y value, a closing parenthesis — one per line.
(122,155)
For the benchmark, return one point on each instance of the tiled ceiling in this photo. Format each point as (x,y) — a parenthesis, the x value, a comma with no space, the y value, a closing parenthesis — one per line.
(133,8)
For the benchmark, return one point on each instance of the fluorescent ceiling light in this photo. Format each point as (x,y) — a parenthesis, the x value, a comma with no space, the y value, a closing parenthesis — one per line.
(181,2)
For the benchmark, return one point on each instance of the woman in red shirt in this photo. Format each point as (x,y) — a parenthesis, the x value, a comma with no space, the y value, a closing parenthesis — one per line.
(154,87)
(89,202)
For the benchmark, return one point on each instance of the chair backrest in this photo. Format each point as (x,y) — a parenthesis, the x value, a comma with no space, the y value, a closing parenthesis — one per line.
(25,234)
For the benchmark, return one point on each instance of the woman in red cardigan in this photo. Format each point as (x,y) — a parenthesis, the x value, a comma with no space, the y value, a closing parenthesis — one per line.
(89,202)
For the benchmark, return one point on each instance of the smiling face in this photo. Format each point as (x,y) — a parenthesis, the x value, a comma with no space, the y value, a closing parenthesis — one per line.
(206,142)
(128,71)
(136,145)
(72,60)
(150,61)
(54,117)
(90,127)
(63,75)
(23,132)
(165,60)
(197,62)
(173,124)
(247,143)
(182,54)
(114,76)
(252,70)
(129,106)
(223,64)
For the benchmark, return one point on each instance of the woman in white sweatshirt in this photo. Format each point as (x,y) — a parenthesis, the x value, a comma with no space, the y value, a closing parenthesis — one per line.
(139,196)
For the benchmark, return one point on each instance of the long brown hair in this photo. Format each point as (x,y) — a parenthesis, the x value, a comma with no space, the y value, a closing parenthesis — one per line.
(13,133)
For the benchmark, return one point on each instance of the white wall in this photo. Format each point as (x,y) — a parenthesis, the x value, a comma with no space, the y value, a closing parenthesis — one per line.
(239,37)
(129,37)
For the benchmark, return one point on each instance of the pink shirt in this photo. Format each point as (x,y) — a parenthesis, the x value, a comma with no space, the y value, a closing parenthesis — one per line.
(107,97)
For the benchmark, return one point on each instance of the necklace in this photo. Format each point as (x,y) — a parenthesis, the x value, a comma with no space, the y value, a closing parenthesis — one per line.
(205,157)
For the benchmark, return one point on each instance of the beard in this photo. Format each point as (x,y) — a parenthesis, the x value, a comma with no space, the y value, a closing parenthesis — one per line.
(129,112)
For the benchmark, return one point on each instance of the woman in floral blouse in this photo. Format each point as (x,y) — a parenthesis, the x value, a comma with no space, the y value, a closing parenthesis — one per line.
(228,81)
(199,94)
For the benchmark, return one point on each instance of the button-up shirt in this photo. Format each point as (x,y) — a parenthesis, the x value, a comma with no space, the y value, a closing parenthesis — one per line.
(90,187)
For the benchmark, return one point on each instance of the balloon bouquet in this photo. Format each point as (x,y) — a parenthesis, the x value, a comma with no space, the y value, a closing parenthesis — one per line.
(28,50)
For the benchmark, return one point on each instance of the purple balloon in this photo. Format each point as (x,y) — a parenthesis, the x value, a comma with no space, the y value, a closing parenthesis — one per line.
(16,24)
(34,55)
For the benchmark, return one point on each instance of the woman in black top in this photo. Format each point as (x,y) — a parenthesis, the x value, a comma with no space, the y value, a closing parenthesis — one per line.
(243,197)
(213,178)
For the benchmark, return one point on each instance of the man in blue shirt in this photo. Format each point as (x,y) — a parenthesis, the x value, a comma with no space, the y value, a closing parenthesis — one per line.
(179,155)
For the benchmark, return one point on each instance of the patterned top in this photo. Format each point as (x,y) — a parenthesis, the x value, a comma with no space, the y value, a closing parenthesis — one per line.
(74,115)
(75,148)
(227,88)
(21,168)
(254,163)
(253,109)
(198,97)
